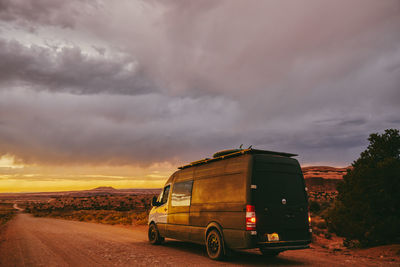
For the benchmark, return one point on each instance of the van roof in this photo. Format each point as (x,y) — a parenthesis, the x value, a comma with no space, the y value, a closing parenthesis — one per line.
(236,154)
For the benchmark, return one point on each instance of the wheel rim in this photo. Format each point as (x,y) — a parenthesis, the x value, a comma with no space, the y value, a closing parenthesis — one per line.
(152,235)
(213,244)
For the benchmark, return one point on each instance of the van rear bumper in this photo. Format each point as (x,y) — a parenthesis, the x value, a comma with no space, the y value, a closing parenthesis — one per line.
(244,239)
(285,245)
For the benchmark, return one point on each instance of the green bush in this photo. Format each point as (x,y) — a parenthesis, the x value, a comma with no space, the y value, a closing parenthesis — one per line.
(321,225)
(367,208)
(314,207)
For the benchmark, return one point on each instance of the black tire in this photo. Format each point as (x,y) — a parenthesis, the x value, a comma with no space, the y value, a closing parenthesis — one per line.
(269,253)
(215,245)
(154,236)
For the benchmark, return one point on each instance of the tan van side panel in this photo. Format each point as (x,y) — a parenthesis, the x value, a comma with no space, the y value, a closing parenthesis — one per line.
(184,175)
(181,232)
(197,234)
(227,219)
(228,188)
(222,189)
(209,170)
(220,193)
(237,164)
(237,238)
(178,215)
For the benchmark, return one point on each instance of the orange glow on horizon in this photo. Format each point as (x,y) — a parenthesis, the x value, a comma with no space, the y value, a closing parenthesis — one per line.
(16,177)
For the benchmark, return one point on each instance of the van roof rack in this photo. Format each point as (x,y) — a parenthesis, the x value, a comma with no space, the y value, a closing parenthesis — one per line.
(237,153)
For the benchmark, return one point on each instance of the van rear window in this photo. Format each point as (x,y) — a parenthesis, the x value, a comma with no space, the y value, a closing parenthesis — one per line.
(181,194)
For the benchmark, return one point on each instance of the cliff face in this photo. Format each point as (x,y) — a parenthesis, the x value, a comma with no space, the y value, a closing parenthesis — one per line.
(323,178)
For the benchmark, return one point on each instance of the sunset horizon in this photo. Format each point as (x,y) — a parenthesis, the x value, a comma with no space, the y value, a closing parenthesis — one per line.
(38,179)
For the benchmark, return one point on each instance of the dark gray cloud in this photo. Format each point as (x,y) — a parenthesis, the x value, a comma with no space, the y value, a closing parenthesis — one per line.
(69,69)
(179,80)
(47,12)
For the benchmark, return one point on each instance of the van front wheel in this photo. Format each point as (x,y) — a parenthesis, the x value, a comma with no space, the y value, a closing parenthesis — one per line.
(154,236)
(214,244)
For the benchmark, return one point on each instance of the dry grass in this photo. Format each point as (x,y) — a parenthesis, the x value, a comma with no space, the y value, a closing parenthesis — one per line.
(125,210)
(99,216)
(7,212)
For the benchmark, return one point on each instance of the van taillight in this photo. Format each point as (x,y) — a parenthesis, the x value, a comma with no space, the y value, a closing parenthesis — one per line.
(250,218)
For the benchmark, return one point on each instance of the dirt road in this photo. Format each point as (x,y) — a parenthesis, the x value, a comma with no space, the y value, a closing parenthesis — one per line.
(29,241)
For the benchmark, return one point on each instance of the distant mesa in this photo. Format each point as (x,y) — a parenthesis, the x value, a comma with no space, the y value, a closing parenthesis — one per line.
(323,178)
(103,188)
(325,172)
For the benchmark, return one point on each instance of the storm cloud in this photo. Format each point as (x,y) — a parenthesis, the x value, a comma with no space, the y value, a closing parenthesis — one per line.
(45,12)
(139,82)
(68,69)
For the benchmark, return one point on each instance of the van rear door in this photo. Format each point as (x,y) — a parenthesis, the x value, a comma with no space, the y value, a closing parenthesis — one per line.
(280,199)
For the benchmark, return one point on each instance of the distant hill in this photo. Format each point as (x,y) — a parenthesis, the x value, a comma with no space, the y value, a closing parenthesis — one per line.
(108,190)
(99,191)
(103,188)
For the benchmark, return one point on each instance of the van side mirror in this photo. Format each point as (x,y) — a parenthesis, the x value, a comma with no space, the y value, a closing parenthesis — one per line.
(154,202)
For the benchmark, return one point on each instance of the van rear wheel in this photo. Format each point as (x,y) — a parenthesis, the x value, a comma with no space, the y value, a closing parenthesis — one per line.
(154,236)
(269,253)
(215,245)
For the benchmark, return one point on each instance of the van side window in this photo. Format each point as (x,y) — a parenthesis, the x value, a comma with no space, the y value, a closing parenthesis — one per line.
(181,194)
(164,197)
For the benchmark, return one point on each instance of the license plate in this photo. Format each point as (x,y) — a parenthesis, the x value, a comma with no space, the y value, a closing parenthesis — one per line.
(273,237)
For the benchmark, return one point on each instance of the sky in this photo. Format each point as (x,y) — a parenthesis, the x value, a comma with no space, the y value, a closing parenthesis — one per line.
(121,93)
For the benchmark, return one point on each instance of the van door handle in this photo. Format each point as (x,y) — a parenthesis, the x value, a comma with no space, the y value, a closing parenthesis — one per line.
(165,209)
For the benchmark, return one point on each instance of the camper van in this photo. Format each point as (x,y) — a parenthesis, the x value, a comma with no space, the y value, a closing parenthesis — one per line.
(239,199)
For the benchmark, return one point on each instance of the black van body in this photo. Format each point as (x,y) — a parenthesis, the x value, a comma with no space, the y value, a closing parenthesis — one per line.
(242,199)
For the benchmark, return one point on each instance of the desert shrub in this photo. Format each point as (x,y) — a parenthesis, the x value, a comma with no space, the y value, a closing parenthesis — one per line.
(141,218)
(314,207)
(125,220)
(367,208)
(350,243)
(101,209)
(328,235)
(7,212)
(321,224)
(89,217)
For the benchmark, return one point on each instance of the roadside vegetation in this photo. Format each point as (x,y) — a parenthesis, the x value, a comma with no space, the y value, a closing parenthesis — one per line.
(319,205)
(107,209)
(367,209)
(7,212)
